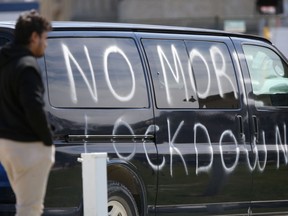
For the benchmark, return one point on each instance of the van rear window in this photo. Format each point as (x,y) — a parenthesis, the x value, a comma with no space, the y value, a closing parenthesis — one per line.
(95,72)
(192,74)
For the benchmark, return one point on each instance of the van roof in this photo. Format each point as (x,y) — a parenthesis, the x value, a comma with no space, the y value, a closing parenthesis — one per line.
(94,26)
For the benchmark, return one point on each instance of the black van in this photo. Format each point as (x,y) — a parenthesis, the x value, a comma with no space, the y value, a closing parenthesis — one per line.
(194,121)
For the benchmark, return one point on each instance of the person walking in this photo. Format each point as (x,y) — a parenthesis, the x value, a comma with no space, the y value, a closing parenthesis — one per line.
(26,147)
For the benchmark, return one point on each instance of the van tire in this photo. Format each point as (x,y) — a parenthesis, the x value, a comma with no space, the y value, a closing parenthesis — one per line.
(120,200)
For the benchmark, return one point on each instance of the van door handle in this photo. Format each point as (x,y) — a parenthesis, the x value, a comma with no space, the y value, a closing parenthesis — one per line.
(95,138)
(255,127)
(240,126)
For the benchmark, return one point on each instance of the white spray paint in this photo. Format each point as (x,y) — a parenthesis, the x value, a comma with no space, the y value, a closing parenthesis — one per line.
(116,50)
(262,168)
(280,146)
(208,167)
(220,70)
(231,135)
(173,148)
(118,124)
(193,54)
(152,129)
(175,68)
(175,71)
(67,56)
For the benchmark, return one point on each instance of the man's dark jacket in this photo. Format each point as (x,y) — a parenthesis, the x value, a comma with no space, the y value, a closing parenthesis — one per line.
(22,117)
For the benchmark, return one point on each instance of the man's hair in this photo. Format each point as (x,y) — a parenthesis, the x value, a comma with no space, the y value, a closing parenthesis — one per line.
(27,23)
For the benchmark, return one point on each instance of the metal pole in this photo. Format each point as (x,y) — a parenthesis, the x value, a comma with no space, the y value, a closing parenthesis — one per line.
(94,175)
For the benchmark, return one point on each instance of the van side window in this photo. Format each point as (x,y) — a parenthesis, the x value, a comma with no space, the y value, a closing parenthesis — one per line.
(95,72)
(170,68)
(269,76)
(192,74)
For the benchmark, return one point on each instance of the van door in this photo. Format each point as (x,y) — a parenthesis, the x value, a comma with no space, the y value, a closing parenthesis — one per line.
(267,90)
(202,124)
(98,101)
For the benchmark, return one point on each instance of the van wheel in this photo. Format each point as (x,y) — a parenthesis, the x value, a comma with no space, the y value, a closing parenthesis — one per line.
(120,201)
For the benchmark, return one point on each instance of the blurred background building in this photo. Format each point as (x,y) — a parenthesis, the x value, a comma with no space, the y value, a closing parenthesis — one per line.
(268,18)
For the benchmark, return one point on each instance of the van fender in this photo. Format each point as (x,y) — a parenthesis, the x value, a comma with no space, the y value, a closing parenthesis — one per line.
(126,173)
